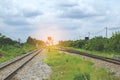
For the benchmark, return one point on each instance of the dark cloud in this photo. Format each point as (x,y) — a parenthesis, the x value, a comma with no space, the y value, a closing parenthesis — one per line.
(78,14)
(13,15)
(16,22)
(20,18)
(70,28)
(31,13)
(67,4)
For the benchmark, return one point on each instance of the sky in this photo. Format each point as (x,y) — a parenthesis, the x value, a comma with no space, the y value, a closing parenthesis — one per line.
(60,19)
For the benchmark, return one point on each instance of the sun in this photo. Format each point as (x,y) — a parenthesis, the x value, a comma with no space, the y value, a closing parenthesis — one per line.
(54,32)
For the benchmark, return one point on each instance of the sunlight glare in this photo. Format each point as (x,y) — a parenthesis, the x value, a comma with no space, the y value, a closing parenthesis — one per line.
(53,32)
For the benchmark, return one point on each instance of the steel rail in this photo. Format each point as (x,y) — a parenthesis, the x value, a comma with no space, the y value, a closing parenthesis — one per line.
(5,64)
(13,73)
(110,60)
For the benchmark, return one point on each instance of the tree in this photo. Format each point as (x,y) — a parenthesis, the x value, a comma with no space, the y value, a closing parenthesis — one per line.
(115,42)
(6,41)
(34,41)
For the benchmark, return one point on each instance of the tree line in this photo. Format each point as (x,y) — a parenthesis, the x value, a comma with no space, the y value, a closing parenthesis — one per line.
(98,43)
(6,41)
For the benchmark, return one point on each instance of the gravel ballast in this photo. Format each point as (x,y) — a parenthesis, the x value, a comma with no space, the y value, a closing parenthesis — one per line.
(36,69)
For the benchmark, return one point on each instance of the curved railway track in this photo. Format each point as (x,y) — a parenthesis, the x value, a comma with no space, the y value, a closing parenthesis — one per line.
(9,69)
(110,60)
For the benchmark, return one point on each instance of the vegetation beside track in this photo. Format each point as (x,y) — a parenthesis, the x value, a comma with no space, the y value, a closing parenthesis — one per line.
(108,47)
(9,52)
(10,48)
(67,67)
(99,53)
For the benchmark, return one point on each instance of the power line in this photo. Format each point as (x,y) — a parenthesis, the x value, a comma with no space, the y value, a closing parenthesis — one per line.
(114,28)
(106,30)
(97,32)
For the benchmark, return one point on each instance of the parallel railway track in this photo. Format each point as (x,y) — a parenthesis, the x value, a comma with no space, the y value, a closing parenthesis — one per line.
(9,69)
(110,60)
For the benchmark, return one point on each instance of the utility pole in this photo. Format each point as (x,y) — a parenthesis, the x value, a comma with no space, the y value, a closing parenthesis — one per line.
(106,31)
(19,42)
(79,37)
(88,34)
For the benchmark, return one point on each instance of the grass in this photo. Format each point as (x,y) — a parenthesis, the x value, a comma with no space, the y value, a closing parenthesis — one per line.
(67,67)
(99,53)
(9,52)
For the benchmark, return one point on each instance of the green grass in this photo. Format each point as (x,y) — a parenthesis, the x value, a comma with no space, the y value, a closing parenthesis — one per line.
(10,52)
(66,67)
(99,53)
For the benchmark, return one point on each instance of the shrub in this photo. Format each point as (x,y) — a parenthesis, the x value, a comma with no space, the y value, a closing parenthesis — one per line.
(84,76)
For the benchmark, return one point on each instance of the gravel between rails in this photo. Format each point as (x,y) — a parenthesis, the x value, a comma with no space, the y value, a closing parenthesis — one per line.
(101,64)
(36,69)
(11,68)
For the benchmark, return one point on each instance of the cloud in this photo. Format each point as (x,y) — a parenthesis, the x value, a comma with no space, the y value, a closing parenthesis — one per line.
(70,27)
(16,22)
(79,12)
(31,14)
(75,14)
(20,18)
(67,5)
(16,15)
(64,4)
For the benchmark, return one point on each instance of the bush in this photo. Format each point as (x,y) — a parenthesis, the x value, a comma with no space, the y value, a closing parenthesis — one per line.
(115,42)
(98,43)
(83,76)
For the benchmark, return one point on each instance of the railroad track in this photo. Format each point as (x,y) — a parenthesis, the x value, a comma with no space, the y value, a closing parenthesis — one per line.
(110,60)
(9,69)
